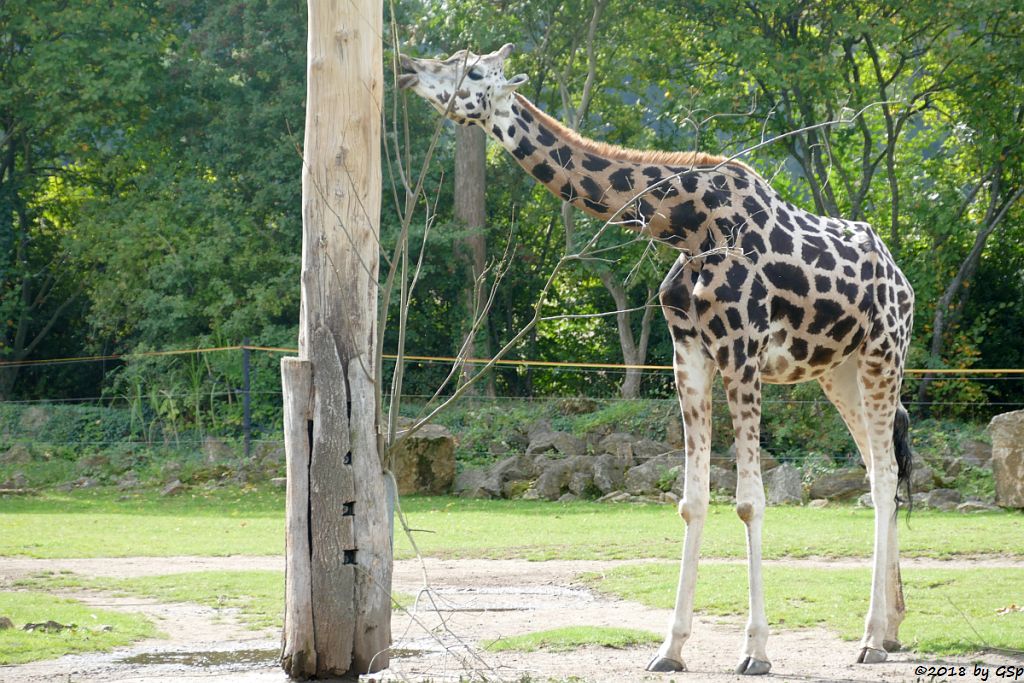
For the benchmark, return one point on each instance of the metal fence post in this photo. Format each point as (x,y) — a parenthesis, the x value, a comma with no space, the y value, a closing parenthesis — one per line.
(246,401)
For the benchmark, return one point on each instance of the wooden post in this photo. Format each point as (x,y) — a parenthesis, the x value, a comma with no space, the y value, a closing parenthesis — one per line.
(339,560)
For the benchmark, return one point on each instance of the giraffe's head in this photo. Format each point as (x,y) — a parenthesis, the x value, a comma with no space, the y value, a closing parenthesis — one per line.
(467,88)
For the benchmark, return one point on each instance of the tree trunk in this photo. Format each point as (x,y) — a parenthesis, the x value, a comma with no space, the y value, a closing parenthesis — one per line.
(950,304)
(338,550)
(471,211)
(634,351)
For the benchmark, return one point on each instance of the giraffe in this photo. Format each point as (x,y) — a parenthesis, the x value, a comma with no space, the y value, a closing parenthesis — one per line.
(762,292)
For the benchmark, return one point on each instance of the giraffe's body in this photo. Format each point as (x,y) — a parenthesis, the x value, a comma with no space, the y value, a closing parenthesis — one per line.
(762,292)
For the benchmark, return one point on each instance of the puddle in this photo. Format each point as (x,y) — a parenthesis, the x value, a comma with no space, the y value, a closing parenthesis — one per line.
(206,659)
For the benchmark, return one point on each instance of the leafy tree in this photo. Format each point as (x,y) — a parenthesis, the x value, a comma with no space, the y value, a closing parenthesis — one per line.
(75,84)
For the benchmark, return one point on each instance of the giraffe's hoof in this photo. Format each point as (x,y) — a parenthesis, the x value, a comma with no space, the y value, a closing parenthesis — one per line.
(753,667)
(870,655)
(892,645)
(665,665)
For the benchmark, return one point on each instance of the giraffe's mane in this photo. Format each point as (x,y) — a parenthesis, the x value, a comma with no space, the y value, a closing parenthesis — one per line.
(609,151)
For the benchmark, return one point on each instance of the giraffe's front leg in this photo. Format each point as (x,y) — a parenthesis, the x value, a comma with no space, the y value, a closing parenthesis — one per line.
(693,384)
(743,389)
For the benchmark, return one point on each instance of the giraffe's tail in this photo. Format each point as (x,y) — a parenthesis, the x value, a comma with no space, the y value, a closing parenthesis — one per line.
(904,458)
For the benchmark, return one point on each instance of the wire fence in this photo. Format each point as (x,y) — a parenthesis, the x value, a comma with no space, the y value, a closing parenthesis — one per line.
(249,411)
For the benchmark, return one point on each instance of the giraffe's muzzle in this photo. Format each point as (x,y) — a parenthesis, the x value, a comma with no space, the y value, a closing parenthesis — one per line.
(407,77)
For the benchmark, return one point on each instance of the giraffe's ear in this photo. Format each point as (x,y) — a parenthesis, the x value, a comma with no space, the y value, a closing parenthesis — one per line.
(505,50)
(516,81)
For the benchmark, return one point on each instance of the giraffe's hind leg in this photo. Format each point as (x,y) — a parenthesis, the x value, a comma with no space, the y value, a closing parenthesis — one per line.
(879,385)
(842,388)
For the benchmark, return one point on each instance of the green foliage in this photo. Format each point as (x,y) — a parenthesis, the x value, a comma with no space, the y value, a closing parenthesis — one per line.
(799,423)
(150,194)
(955,611)
(574,637)
(60,424)
(95,630)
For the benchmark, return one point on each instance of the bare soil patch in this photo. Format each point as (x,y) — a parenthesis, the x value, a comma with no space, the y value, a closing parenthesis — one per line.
(469,602)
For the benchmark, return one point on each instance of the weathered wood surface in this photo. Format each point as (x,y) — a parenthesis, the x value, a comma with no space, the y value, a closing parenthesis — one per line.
(350,553)
(332,487)
(298,654)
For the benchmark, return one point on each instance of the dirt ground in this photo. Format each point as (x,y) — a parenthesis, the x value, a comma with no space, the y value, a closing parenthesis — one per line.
(469,602)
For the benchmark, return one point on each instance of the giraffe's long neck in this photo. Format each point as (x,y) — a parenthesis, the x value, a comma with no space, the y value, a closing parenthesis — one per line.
(673,197)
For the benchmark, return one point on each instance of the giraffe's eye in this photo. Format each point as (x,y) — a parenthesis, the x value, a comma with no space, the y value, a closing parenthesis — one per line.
(475,74)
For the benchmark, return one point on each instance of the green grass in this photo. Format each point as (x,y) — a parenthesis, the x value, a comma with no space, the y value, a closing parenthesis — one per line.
(18,647)
(573,637)
(546,531)
(99,523)
(258,596)
(106,523)
(949,611)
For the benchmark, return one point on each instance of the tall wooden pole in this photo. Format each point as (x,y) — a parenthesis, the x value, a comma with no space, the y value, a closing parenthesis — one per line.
(338,545)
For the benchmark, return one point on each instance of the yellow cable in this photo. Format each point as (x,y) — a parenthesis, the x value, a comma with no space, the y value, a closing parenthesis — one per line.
(474,361)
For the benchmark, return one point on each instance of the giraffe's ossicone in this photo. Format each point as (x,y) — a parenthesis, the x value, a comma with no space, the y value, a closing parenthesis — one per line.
(763,291)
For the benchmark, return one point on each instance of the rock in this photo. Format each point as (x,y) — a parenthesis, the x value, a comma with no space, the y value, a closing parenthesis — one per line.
(425,461)
(130,480)
(652,475)
(6,623)
(18,454)
(18,480)
(726,460)
(556,474)
(173,489)
(216,451)
(612,442)
(477,483)
(581,483)
(269,452)
(784,485)
(818,503)
(952,468)
(768,461)
(553,478)
(531,494)
(609,472)
(922,477)
(645,449)
(669,497)
(577,406)
(50,626)
(279,482)
(517,468)
(977,506)
(976,453)
(674,431)
(1007,432)
(614,497)
(723,480)
(841,484)
(541,426)
(920,499)
(561,442)
(865,501)
(942,499)
(566,498)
